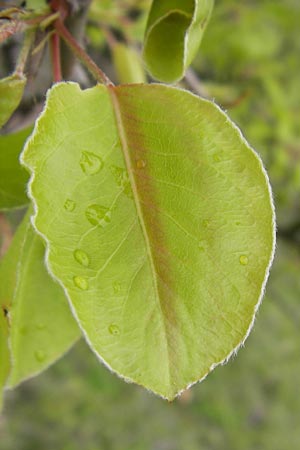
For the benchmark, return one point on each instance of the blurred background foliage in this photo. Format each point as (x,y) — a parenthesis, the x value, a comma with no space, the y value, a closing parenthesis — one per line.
(249,63)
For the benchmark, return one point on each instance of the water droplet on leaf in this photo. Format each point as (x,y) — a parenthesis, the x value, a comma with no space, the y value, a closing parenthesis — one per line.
(114,329)
(90,163)
(81,282)
(98,215)
(243,260)
(69,205)
(40,355)
(117,287)
(140,164)
(122,180)
(81,257)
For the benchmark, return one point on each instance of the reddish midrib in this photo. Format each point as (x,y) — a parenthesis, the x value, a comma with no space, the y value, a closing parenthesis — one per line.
(134,146)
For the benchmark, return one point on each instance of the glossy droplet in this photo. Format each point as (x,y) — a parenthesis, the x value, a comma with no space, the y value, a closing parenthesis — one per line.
(81,257)
(140,164)
(114,329)
(81,282)
(122,180)
(98,215)
(90,163)
(69,205)
(40,355)
(117,287)
(243,260)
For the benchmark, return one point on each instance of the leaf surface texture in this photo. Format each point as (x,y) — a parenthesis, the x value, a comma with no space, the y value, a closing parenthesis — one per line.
(159,225)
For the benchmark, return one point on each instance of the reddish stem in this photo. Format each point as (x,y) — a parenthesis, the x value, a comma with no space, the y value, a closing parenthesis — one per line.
(56,60)
(97,73)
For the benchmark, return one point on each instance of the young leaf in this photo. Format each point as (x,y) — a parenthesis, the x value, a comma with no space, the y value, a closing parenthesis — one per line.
(11,92)
(173,36)
(13,177)
(159,225)
(41,325)
(128,64)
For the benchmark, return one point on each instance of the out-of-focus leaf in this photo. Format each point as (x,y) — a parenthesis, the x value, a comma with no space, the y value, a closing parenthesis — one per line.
(173,35)
(128,64)
(4,348)
(159,224)
(13,177)
(11,92)
(41,325)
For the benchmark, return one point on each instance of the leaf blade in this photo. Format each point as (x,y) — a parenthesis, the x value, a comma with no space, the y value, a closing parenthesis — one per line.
(13,177)
(141,300)
(11,92)
(173,35)
(39,332)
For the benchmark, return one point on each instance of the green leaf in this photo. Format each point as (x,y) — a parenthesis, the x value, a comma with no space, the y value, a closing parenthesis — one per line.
(11,92)
(159,224)
(4,349)
(128,64)
(173,35)
(41,325)
(13,177)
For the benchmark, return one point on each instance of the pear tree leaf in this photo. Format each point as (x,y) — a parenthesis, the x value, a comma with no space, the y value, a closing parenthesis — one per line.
(11,92)
(13,177)
(159,225)
(128,64)
(40,322)
(173,35)
(4,349)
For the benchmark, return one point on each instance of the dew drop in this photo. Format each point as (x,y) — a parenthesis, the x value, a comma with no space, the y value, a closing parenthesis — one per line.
(40,355)
(81,282)
(140,164)
(117,287)
(69,205)
(98,215)
(90,163)
(114,329)
(243,260)
(81,257)
(121,177)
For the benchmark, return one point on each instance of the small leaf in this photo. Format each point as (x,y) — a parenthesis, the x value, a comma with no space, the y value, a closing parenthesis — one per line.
(164,250)
(173,35)
(11,92)
(128,64)
(41,325)
(13,177)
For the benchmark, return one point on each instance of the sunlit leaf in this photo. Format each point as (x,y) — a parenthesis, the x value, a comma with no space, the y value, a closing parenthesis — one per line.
(173,36)
(11,92)
(13,177)
(159,224)
(41,325)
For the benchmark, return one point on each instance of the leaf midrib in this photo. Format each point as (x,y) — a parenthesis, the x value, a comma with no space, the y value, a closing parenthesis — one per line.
(125,149)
